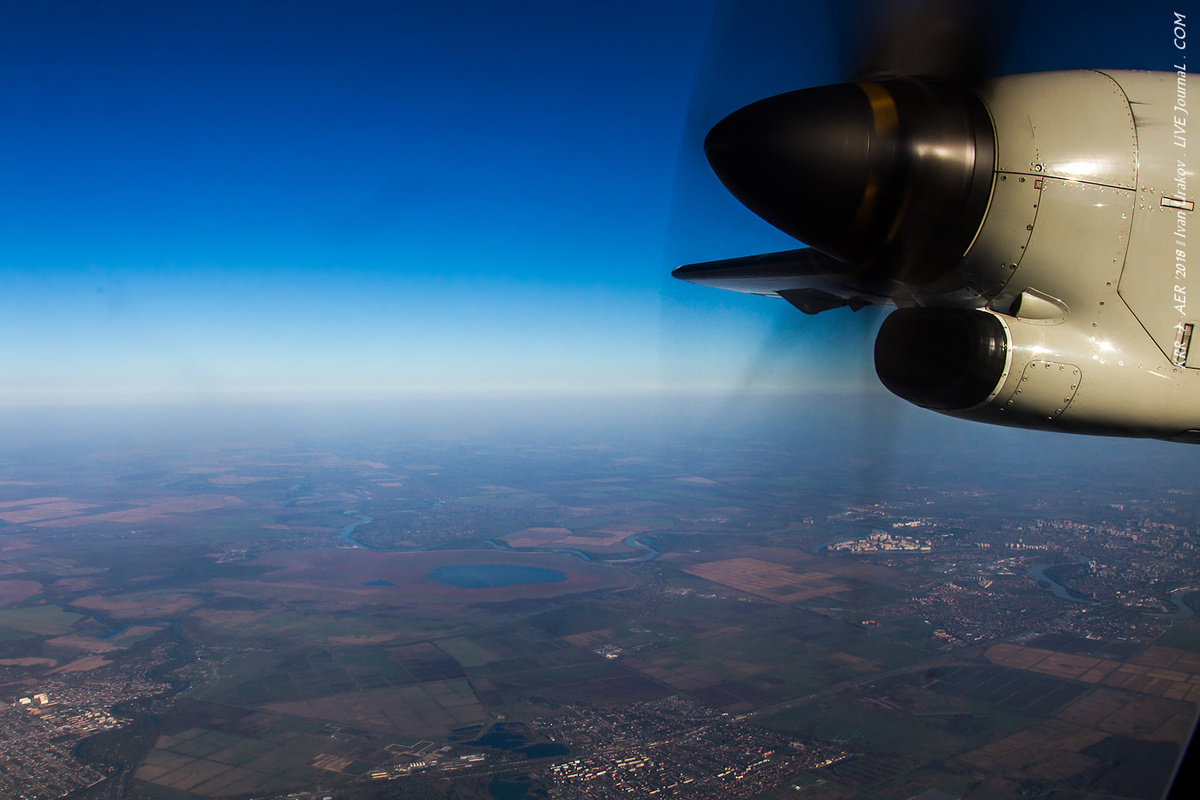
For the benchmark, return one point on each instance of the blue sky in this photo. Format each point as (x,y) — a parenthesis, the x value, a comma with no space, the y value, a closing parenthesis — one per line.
(231,201)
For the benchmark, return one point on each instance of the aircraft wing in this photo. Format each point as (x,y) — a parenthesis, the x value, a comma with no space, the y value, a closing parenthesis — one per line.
(806,278)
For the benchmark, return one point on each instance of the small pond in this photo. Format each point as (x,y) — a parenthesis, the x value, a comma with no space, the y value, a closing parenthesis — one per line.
(489,576)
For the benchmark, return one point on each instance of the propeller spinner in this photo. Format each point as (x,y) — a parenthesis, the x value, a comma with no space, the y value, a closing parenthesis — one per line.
(891,178)
(886,178)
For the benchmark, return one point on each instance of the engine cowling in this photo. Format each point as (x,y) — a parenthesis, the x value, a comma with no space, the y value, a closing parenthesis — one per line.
(1006,370)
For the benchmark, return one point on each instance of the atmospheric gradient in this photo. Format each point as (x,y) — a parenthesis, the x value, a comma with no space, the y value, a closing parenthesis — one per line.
(215,202)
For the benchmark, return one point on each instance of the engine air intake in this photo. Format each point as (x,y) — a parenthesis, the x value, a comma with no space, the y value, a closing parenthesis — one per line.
(945,359)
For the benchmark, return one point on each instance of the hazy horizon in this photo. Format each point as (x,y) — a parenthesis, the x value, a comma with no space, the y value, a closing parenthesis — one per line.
(222,201)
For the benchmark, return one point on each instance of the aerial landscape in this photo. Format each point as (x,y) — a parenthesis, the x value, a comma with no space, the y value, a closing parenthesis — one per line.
(585,613)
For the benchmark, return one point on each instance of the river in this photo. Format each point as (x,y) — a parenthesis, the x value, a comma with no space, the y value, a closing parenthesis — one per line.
(1038,573)
(347,535)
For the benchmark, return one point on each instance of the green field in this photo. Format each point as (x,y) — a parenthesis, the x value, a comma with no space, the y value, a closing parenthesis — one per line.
(45,620)
(867,726)
(1184,635)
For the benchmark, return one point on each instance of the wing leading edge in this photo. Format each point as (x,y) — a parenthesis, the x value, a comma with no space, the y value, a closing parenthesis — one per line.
(808,279)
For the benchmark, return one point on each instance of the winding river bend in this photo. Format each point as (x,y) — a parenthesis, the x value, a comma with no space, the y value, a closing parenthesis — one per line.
(347,534)
(1038,573)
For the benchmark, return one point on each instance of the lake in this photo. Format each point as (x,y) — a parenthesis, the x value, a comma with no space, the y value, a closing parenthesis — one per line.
(490,576)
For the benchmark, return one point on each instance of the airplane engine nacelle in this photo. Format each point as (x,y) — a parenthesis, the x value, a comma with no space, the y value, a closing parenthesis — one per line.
(1061,303)
(1081,322)
(1002,369)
